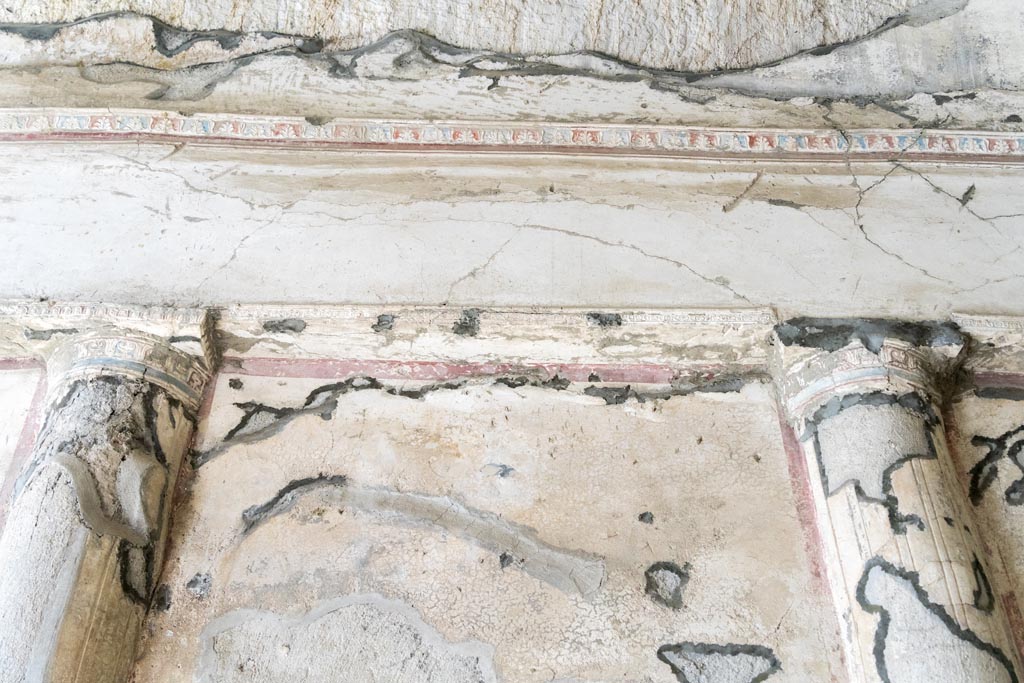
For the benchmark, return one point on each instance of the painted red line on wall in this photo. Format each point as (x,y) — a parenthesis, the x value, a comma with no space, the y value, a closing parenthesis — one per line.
(27,439)
(443,371)
(800,479)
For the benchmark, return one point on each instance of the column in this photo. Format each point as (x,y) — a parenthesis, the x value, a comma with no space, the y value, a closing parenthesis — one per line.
(907,569)
(84,540)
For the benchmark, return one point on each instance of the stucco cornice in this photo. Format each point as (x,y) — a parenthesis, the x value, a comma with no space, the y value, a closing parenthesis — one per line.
(93,125)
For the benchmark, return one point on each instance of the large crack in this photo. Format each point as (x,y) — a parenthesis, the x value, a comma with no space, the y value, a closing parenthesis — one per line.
(408,48)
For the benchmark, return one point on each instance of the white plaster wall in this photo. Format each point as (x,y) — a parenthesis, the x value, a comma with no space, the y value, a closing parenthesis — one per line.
(569,475)
(151,223)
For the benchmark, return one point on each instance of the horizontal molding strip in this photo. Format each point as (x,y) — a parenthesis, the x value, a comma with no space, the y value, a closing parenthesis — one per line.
(17,125)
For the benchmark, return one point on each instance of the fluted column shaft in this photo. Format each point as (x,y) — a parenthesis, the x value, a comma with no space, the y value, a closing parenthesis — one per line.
(83,542)
(906,566)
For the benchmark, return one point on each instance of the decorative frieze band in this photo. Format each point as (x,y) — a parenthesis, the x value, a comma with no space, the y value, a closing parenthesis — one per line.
(537,137)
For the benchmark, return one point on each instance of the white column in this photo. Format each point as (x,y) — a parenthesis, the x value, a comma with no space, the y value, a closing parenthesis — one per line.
(84,540)
(906,567)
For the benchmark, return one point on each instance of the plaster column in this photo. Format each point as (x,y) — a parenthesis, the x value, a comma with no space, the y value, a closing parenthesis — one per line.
(83,543)
(905,563)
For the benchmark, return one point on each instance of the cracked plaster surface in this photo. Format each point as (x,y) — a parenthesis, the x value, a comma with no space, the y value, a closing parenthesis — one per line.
(887,238)
(565,452)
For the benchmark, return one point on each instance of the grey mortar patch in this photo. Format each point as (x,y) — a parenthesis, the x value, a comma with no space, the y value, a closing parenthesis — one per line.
(832,334)
(665,582)
(917,639)
(983,474)
(569,571)
(711,663)
(1002,393)
(385,323)
(983,599)
(261,421)
(161,598)
(199,585)
(354,638)
(605,319)
(293,325)
(613,395)
(874,486)
(468,324)
(47,335)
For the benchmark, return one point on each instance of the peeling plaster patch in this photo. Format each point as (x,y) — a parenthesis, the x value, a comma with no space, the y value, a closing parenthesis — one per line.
(468,324)
(983,474)
(293,325)
(566,570)
(917,640)
(358,638)
(894,431)
(709,663)
(614,396)
(832,334)
(605,319)
(260,421)
(666,582)
(385,323)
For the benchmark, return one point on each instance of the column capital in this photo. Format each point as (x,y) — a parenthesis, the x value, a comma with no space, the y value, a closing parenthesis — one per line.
(173,348)
(818,359)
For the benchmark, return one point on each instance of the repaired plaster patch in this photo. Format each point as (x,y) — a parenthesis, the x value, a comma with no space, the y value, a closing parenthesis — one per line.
(357,638)
(566,570)
(709,663)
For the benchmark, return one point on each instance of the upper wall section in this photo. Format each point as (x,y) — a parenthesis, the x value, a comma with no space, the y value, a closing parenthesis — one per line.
(949,63)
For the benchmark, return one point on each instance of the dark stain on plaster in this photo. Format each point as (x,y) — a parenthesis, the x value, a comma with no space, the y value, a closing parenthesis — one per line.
(385,323)
(284,499)
(646,517)
(507,559)
(983,474)
(614,396)
(885,618)
(605,319)
(832,334)
(47,335)
(912,402)
(968,195)
(292,325)
(184,338)
(468,324)
(161,598)
(500,470)
(199,585)
(556,382)
(665,583)
(703,650)
(235,383)
(1013,118)
(983,599)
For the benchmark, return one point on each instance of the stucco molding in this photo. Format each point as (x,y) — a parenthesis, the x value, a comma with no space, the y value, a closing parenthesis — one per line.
(83,125)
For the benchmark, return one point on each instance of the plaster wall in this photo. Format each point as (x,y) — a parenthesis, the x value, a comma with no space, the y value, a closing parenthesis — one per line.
(209,225)
(482,529)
